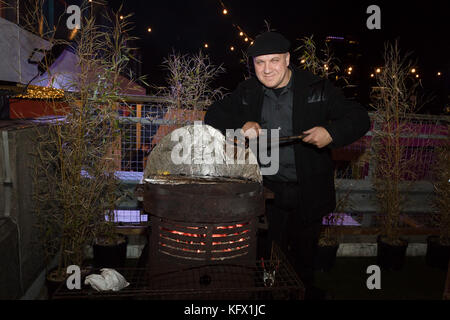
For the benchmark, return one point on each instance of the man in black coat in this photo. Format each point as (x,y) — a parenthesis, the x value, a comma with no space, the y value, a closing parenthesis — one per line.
(295,102)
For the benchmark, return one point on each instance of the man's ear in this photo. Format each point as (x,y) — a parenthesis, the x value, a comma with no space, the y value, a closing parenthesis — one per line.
(288,58)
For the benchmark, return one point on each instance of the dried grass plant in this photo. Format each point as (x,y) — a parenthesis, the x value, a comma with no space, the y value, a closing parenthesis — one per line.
(441,184)
(189,81)
(394,100)
(74,180)
(331,233)
(34,19)
(321,62)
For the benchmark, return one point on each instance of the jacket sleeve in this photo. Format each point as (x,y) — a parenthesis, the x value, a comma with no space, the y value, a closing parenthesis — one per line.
(347,120)
(222,114)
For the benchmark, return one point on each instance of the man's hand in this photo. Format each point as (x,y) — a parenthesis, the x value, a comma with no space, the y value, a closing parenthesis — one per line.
(318,136)
(251,130)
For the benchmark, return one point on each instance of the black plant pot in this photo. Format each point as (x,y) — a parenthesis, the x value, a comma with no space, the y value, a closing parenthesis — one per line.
(391,257)
(110,256)
(325,257)
(437,255)
(52,284)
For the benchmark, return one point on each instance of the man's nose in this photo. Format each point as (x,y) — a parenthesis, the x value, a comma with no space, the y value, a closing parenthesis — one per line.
(267,68)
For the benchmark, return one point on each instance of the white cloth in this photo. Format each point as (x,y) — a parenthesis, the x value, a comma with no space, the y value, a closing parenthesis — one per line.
(109,279)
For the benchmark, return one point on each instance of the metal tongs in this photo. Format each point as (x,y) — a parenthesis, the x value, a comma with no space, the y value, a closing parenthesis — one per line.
(238,142)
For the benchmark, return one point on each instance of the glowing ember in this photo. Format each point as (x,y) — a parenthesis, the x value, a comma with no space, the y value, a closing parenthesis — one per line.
(182,249)
(239,225)
(230,242)
(181,241)
(220,235)
(194,235)
(231,249)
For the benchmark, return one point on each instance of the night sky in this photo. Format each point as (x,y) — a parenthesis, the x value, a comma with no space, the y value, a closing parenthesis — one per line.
(184,26)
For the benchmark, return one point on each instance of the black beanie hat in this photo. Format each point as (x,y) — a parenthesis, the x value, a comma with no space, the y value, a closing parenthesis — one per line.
(269,43)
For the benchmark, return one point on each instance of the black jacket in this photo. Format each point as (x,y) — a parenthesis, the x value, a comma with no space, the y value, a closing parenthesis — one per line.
(316,103)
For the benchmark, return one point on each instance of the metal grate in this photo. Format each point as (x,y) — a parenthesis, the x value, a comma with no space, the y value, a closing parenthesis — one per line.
(206,282)
(143,126)
(426,133)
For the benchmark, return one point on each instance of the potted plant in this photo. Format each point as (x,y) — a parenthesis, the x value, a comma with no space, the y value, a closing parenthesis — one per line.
(75,184)
(394,99)
(328,244)
(324,64)
(188,92)
(330,236)
(438,246)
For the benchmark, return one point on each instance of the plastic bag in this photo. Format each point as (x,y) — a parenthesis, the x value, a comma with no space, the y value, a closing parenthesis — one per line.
(109,279)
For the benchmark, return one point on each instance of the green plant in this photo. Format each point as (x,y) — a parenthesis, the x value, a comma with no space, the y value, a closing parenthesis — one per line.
(74,181)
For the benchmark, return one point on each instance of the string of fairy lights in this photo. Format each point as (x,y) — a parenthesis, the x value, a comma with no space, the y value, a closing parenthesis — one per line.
(245,38)
(36,92)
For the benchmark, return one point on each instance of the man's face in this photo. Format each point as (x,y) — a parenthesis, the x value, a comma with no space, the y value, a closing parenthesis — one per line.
(272,69)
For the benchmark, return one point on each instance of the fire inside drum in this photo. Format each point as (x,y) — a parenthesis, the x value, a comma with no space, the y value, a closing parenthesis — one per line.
(203,215)
(202,220)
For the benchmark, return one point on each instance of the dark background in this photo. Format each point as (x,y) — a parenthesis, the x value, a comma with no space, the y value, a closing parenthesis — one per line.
(184,26)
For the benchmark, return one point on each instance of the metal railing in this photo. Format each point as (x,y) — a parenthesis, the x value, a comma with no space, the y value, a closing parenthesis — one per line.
(145,124)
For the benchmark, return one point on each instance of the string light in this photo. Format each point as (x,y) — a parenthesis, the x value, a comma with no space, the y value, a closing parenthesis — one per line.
(372,75)
(206,45)
(149,29)
(303,61)
(242,33)
(232,48)
(350,68)
(417,75)
(439,74)
(38,92)
(121,17)
(413,70)
(378,70)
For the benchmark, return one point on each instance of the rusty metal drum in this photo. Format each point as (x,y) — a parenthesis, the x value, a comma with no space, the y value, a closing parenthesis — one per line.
(198,221)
